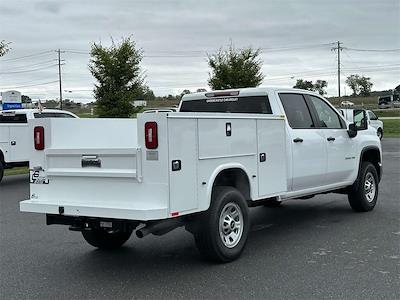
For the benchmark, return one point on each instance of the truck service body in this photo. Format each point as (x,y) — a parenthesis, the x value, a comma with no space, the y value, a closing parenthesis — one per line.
(201,167)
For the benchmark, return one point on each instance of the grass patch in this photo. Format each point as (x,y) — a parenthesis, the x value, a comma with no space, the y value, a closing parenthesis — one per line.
(387,112)
(16,171)
(391,128)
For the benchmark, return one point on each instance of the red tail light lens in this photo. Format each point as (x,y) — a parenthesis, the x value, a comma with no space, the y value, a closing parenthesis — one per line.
(151,135)
(38,137)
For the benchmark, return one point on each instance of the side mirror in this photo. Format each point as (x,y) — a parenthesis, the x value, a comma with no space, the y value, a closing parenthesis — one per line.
(352,131)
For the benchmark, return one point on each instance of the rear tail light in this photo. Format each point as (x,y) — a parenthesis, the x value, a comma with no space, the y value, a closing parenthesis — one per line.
(38,137)
(151,135)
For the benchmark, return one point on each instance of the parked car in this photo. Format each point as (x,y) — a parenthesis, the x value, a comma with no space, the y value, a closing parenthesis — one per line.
(373,120)
(347,104)
(201,167)
(15,134)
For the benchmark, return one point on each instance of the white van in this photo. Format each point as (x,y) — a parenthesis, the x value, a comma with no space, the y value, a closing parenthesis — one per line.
(14,134)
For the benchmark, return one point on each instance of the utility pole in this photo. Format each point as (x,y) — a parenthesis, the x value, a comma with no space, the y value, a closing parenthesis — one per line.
(59,77)
(338,48)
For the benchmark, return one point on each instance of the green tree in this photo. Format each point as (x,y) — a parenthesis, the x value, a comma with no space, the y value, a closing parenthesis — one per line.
(147,93)
(304,85)
(365,85)
(4,47)
(26,99)
(353,82)
(319,86)
(119,80)
(233,68)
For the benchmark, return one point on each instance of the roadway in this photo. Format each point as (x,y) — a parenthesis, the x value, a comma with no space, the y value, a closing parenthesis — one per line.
(306,249)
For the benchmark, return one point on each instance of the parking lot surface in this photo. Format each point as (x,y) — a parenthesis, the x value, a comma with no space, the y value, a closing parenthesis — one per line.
(306,249)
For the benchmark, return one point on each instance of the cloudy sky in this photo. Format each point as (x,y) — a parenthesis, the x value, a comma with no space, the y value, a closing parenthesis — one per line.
(295,36)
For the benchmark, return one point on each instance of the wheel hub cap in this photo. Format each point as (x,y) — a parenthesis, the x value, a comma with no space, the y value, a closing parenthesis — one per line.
(231,225)
(369,187)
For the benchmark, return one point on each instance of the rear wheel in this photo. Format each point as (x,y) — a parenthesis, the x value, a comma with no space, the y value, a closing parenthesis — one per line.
(364,192)
(106,239)
(223,230)
(1,170)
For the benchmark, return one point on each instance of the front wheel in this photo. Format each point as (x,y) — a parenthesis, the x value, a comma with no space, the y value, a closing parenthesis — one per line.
(364,192)
(379,132)
(106,239)
(223,230)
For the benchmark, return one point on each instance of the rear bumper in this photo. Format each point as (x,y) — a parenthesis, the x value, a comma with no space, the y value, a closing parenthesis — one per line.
(143,212)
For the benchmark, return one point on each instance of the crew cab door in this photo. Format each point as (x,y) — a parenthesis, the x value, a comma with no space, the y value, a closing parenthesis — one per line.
(307,144)
(340,147)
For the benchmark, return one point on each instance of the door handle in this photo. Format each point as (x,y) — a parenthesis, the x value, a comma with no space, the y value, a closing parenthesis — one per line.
(298,140)
(331,139)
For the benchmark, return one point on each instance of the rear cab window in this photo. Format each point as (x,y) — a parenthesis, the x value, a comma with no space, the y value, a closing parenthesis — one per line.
(6,118)
(237,104)
(52,115)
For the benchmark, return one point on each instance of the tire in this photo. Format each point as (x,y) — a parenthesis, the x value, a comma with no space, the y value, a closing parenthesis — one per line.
(379,132)
(105,239)
(273,203)
(222,231)
(364,192)
(1,171)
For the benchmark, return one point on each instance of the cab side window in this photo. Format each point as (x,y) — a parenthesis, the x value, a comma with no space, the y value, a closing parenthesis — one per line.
(296,110)
(328,118)
(372,116)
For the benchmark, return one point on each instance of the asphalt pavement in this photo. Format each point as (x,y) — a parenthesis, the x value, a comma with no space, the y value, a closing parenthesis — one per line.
(306,249)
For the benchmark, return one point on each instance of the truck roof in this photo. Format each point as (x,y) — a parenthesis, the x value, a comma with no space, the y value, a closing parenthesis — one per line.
(246,92)
(35,110)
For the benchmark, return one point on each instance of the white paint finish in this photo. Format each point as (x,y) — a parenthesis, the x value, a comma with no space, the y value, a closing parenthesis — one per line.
(341,157)
(204,149)
(209,169)
(19,142)
(214,143)
(271,173)
(183,146)
(309,159)
(21,135)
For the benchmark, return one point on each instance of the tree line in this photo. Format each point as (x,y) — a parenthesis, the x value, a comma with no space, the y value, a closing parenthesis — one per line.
(120,79)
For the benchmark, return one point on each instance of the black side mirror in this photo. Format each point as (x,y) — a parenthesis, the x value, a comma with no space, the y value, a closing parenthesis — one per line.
(352,131)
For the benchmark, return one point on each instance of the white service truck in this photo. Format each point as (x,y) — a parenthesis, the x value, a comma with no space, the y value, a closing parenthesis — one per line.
(15,145)
(201,167)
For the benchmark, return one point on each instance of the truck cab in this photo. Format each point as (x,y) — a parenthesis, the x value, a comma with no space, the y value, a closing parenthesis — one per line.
(14,134)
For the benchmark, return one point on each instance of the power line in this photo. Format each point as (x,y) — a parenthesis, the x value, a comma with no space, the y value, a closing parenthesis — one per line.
(372,50)
(29,85)
(26,56)
(28,71)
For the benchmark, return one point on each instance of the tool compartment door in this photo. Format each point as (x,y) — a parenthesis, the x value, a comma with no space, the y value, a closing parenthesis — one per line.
(272,168)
